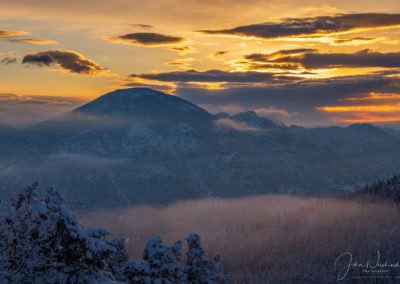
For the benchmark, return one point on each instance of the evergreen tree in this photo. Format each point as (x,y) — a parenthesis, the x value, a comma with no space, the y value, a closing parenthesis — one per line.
(41,241)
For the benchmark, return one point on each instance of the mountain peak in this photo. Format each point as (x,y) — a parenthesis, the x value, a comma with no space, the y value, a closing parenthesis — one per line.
(119,99)
(144,104)
(251,118)
(251,114)
(133,93)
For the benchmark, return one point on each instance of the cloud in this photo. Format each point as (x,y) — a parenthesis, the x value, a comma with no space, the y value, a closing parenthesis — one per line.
(369,113)
(273,112)
(312,26)
(278,54)
(217,54)
(227,123)
(143,26)
(373,98)
(176,63)
(147,39)
(305,93)
(310,59)
(300,99)
(231,108)
(66,59)
(8,60)
(363,58)
(213,76)
(366,107)
(183,62)
(182,49)
(11,33)
(34,41)
(270,112)
(260,66)
(354,40)
(22,110)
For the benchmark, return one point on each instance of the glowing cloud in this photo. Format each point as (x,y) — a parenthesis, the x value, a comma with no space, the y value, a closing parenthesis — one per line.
(311,59)
(372,107)
(66,59)
(11,33)
(312,26)
(34,41)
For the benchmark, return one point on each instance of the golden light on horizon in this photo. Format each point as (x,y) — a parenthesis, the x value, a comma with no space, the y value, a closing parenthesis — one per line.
(369,108)
(345,44)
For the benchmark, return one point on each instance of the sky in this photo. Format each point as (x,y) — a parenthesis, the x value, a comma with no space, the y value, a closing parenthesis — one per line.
(304,62)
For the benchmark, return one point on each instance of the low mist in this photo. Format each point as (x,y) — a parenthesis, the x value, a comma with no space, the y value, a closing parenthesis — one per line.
(275,237)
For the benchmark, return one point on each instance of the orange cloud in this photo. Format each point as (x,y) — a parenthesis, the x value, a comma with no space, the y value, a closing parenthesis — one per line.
(380,107)
(375,97)
(11,33)
(369,108)
(34,41)
(371,118)
(182,62)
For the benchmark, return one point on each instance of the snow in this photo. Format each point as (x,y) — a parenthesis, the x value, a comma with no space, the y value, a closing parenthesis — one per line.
(41,241)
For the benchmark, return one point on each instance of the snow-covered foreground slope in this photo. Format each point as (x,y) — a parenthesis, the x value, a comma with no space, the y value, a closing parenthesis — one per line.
(41,241)
(140,146)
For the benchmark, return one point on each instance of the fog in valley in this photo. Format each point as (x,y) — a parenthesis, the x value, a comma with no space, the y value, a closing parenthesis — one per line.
(280,237)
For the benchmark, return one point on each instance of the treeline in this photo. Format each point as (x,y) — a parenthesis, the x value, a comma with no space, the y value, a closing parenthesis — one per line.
(389,190)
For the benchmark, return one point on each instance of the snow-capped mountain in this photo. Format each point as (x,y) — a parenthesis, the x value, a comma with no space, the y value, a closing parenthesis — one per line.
(147,105)
(142,146)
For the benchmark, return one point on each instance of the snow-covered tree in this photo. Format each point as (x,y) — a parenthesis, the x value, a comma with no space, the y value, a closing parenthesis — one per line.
(389,189)
(41,241)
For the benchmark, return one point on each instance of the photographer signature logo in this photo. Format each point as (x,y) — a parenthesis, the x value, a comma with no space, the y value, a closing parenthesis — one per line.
(345,264)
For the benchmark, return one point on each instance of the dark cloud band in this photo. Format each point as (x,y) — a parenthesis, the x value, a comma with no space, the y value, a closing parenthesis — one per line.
(301,98)
(147,39)
(294,27)
(68,60)
(314,60)
(212,76)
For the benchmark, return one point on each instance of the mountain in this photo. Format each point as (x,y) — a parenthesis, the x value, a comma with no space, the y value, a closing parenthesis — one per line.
(137,146)
(145,105)
(252,119)
(121,123)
